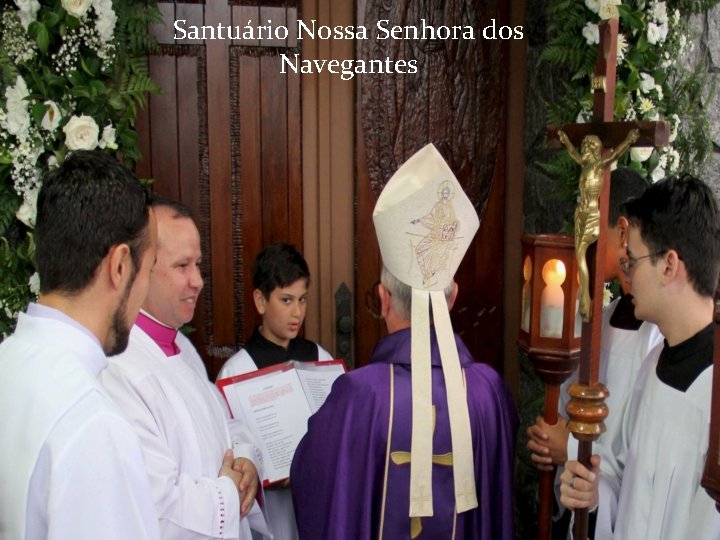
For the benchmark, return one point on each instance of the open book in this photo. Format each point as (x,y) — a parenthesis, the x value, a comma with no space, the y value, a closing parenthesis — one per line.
(276,402)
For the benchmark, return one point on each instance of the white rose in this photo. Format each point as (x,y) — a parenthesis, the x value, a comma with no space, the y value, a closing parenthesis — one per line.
(673,157)
(640,154)
(108,138)
(647,82)
(608,9)
(34,283)
(591,33)
(28,209)
(76,8)
(663,29)
(81,133)
(27,11)
(593,5)
(653,33)
(52,116)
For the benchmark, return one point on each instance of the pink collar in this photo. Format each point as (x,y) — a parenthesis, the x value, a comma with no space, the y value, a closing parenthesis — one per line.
(163,335)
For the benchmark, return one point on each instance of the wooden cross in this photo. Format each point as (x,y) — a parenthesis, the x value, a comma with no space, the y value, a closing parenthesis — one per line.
(587,426)
(401,457)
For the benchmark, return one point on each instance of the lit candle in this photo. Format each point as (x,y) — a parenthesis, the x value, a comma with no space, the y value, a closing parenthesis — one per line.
(552,299)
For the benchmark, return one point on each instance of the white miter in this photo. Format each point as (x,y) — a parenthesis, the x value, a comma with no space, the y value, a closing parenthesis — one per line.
(425,223)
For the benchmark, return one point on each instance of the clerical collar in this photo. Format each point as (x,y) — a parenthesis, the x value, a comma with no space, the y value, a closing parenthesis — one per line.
(624,315)
(162,335)
(680,365)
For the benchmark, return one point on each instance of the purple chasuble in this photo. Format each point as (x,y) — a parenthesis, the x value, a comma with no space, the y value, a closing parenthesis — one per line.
(338,471)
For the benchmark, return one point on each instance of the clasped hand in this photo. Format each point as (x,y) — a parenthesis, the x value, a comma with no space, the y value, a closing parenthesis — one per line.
(245,477)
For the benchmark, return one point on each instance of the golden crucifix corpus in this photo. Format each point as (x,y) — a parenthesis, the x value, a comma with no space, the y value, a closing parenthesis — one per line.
(587,410)
(587,213)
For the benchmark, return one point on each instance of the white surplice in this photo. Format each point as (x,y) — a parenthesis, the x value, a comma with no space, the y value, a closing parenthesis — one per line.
(70,464)
(278,500)
(661,455)
(184,429)
(622,352)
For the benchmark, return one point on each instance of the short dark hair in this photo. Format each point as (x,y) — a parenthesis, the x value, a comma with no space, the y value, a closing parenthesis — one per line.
(681,213)
(278,265)
(180,210)
(625,184)
(87,205)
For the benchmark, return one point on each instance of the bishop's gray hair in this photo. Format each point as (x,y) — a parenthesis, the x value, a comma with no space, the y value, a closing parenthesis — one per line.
(401,293)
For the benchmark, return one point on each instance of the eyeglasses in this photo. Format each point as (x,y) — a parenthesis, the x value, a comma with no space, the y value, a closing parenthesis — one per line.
(627,264)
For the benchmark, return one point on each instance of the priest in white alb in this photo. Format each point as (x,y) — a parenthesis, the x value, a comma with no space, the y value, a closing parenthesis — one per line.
(203,466)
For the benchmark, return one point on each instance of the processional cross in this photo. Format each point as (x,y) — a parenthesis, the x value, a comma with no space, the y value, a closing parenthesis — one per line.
(586,409)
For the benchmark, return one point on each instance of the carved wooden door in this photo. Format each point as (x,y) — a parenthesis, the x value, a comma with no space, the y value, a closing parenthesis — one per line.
(456,101)
(224,138)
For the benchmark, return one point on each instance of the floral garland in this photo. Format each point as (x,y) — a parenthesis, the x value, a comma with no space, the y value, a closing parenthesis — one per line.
(655,79)
(73,73)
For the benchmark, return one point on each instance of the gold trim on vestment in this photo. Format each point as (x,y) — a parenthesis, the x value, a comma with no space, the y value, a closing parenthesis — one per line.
(387,451)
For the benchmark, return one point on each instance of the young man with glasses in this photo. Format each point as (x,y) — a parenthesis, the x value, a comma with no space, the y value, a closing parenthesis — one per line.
(626,342)
(673,262)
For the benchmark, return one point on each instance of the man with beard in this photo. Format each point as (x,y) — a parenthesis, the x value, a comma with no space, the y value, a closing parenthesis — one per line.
(70,464)
(183,423)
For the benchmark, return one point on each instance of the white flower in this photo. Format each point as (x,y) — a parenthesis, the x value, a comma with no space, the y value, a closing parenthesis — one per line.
(108,138)
(81,133)
(647,82)
(584,116)
(657,174)
(52,116)
(106,19)
(640,154)
(676,16)
(76,8)
(608,9)
(622,47)
(659,12)
(607,295)
(663,29)
(646,105)
(17,119)
(27,11)
(653,33)
(28,209)
(674,126)
(593,5)
(673,158)
(591,33)
(34,283)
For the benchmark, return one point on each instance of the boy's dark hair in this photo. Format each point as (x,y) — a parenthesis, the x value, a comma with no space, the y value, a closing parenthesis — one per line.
(278,265)
(87,205)
(625,184)
(180,210)
(681,213)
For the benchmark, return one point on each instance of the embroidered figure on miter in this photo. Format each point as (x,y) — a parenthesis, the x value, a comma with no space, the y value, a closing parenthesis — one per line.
(433,251)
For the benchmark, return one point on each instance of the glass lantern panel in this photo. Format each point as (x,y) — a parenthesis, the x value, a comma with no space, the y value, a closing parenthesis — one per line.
(552,299)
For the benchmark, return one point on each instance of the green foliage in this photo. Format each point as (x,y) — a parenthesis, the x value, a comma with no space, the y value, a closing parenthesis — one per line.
(654,82)
(85,73)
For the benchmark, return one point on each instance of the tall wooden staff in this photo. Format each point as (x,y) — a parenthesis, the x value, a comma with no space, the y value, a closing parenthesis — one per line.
(586,409)
(711,475)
